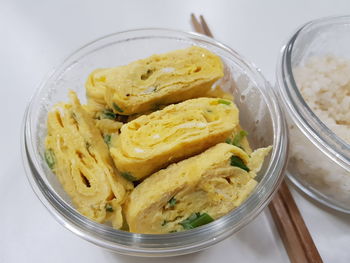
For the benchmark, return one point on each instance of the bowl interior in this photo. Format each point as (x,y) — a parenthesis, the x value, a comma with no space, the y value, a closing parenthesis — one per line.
(255,116)
(322,37)
(259,114)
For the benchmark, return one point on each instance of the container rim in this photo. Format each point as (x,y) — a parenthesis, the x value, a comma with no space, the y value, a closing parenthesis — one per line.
(306,120)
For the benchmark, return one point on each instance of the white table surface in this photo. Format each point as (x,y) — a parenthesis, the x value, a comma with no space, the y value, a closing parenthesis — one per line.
(37,35)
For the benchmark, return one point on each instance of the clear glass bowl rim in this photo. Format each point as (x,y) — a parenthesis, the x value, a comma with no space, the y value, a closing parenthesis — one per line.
(174,243)
(305,119)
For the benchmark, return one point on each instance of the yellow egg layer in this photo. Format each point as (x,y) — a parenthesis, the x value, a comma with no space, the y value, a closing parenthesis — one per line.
(153,141)
(77,154)
(206,183)
(145,84)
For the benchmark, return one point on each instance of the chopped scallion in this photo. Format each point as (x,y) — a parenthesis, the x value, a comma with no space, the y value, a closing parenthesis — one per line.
(196,220)
(50,158)
(228,140)
(87,145)
(172,202)
(109,208)
(238,162)
(128,176)
(239,137)
(107,139)
(108,114)
(117,108)
(226,102)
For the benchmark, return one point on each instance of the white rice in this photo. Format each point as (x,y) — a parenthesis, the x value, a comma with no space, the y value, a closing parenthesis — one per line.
(324,83)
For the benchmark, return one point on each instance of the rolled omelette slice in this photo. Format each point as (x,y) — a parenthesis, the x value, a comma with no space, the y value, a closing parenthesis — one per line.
(163,79)
(77,154)
(212,182)
(153,141)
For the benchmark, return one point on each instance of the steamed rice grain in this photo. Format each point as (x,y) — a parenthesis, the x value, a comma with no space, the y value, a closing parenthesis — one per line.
(324,83)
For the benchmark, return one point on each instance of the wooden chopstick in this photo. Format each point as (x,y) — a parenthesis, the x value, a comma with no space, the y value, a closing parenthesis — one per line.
(291,227)
(285,213)
(196,25)
(294,220)
(205,27)
(286,230)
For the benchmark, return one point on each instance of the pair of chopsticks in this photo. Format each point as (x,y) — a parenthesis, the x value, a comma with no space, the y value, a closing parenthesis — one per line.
(291,227)
(202,26)
(285,213)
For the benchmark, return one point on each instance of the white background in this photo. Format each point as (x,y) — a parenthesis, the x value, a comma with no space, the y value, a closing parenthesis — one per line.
(37,35)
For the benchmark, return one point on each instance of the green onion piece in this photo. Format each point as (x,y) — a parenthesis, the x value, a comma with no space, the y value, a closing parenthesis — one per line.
(238,162)
(107,139)
(109,208)
(172,202)
(117,108)
(172,231)
(128,176)
(87,145)
(50,158)
(108,114)
(228,140)
(196,220)
(226,102)
(164,223)
(238,138)
(147,74)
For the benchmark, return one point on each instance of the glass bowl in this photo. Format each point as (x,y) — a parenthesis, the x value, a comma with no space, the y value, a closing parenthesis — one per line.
(260,115)
(319,161)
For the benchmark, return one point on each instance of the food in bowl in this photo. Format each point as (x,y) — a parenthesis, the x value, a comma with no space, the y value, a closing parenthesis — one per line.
(157,80)
(324,82)
(192,149)
(194,191)
(151,142)
(77,154)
